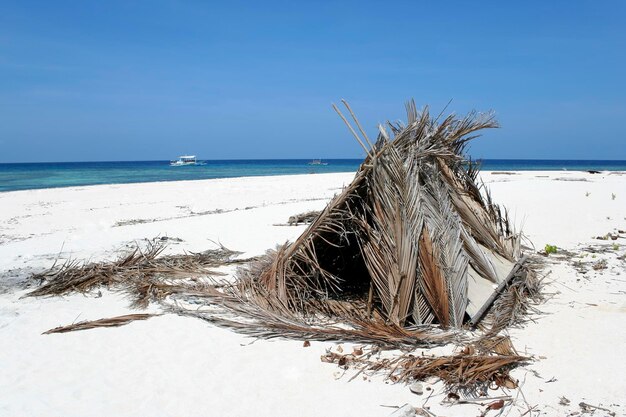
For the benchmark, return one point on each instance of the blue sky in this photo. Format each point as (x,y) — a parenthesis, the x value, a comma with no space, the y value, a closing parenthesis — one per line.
(135,80)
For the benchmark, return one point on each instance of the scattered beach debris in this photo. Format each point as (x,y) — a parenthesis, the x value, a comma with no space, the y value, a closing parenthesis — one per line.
(407,410)
(191,213)
(108,322)
(601,264)
(169,239)
(596,249)
(593,171)
(611,236)
(595,257)
(496,405)
(303,218)
(571,179)
(588,408)
(131,222)
(417,388)
(465,373)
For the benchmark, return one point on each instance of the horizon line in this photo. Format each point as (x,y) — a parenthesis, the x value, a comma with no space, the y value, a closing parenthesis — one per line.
(301,159)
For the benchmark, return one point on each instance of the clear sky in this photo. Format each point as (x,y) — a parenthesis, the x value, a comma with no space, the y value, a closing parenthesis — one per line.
(144,80)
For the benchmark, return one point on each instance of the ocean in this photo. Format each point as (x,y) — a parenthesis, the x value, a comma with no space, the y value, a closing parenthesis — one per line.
(26,176)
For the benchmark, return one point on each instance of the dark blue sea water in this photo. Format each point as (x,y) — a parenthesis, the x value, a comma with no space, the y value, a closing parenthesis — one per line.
(24,176)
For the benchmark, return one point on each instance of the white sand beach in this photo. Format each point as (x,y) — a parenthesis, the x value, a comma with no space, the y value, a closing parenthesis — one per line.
(178,366)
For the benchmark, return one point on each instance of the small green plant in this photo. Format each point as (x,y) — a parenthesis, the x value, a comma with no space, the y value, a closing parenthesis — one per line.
(615,246)
(550,249)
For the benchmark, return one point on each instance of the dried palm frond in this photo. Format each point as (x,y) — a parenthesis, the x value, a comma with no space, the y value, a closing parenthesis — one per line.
(138,268)
(264,324)
(489,344)
(516,302)
(465,373)
(250,309)
(108,322)
(388,241)
(433,280)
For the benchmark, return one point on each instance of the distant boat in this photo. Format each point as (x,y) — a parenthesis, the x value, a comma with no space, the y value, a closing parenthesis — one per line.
(184,160)
(317,162)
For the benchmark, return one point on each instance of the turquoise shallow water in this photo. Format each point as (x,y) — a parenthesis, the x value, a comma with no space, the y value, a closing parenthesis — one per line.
(25,176)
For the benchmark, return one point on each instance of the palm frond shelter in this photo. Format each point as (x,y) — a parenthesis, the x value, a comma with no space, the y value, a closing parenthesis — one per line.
(413,240)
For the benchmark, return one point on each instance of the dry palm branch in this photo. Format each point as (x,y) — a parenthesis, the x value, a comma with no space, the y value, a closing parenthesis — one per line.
(471,371)
(145,274)
(108,322)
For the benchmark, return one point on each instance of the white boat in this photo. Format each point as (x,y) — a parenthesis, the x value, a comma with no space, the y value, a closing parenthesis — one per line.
(317,162)
(184,160)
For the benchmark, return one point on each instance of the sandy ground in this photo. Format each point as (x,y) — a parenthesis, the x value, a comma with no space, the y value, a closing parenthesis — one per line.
(175,366)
